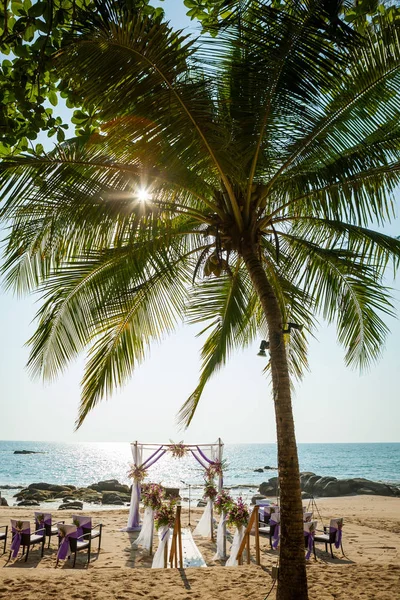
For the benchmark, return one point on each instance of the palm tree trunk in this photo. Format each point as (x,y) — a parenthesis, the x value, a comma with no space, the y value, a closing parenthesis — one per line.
(292,578)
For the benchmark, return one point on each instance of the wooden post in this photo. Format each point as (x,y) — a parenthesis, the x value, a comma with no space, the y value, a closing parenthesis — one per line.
(246,539)
(257,536)
(165,556)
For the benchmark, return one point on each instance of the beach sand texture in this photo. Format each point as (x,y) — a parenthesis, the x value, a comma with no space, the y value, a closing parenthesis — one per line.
(370,570)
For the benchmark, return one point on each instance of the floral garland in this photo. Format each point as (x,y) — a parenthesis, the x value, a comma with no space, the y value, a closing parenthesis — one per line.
(165,515)
(152,495)
(210,491)
(238,514)
(223,502)
(178,450)
(137,473)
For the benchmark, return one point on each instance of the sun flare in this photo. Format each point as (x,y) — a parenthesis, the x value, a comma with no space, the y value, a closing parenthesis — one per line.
(143,195)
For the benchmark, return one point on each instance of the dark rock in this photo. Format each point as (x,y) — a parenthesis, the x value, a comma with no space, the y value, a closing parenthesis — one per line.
(273,481)
(268,468)
(11,487)
(114,498)
(71,506)
(257,497)
(52,487)
(28,503)
(27,452)
(258,470)
(201,503)
(331,486)
(3,502)
(266,489)
(110,485)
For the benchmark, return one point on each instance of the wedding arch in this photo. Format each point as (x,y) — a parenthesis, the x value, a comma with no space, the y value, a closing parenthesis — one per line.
(209,456)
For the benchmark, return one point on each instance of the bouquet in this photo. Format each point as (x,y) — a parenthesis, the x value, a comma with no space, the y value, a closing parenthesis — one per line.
(137,473)
(216,468)
(238,513)
(210,491)
(165,514)
(40,519)
(152,495)
(223,502)
(178,450)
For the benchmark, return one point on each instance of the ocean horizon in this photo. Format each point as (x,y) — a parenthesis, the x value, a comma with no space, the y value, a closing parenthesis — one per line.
(84,463)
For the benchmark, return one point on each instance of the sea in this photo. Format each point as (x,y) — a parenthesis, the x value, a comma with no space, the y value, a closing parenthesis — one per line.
(84,463)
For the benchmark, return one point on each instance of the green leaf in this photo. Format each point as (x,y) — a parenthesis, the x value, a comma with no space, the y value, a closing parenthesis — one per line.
(53,98)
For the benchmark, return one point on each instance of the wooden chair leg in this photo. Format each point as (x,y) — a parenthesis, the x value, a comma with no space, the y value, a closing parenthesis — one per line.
(73,566)
(48,545)
(331,551)
(99,544)
(90,545)
(27,552)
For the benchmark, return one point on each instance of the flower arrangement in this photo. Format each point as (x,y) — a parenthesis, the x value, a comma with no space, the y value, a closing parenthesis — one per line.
(178,450)
(137,473)
(62,532)
(165,514)
(238,513)
(152,495)
(40,519)
(215,468)
(223,502)
(210,491)
(18,526)
(76,522)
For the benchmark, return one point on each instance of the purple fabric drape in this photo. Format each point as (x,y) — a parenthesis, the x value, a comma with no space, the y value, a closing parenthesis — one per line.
(64,546)
(198,459)
(148,463)
(276,535)
(16,542)
(310,542)
(338,538)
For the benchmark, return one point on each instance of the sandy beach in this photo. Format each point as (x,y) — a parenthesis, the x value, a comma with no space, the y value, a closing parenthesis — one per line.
(370,568)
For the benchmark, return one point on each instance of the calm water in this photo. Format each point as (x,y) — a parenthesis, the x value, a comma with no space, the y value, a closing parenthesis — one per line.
(81,464)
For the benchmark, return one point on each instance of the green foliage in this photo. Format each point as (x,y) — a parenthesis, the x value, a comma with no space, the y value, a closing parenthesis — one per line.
(281,134)
(30,34)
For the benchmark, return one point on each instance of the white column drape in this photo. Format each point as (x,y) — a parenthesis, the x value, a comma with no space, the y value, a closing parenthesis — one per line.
(237,540)
(163,535)
(133,518)
(204,526)
(145,537)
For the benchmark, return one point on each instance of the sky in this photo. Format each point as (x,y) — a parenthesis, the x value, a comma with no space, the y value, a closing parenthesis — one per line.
(331,404)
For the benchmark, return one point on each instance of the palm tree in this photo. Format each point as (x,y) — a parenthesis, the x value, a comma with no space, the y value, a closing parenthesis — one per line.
(232,183)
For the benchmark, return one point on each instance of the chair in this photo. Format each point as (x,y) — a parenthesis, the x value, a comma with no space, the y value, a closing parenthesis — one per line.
(71,542)
(3,536)
(44,520)
(85,523)
(274,527)
(310,528)
(331,535)
(21,534)
(307,517)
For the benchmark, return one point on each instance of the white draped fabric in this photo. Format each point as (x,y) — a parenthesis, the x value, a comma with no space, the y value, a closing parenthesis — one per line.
(145,538)
(220,553)
(164,534)
(204,526)
(133,518)
(237,540)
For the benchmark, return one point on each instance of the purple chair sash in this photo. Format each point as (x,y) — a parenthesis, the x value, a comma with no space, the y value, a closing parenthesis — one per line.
(310,542)
(64,546)
(276,535)
(16,542)
(338,538)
